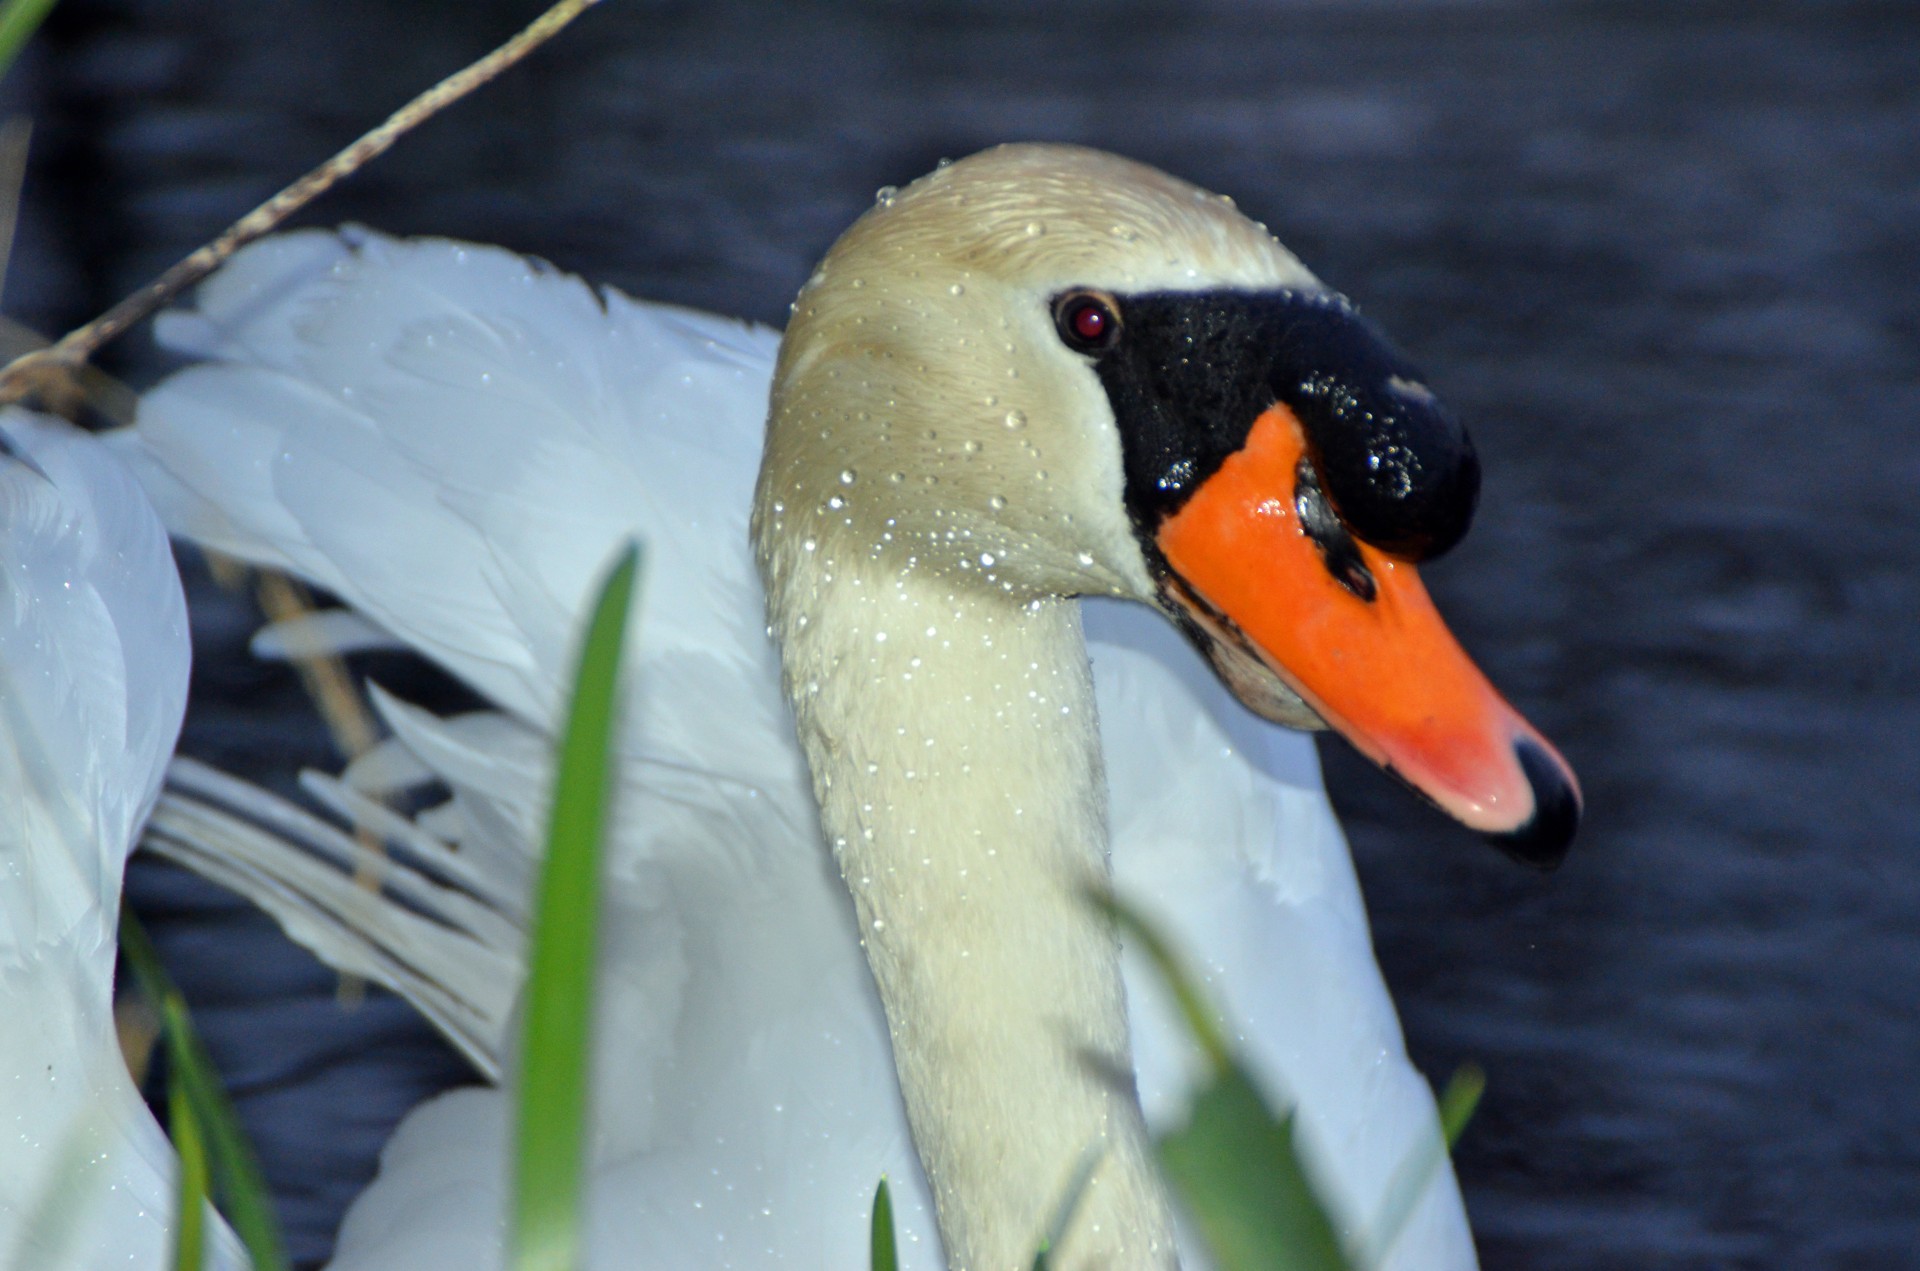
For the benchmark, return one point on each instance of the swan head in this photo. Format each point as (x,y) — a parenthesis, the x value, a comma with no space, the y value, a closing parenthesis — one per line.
(1047,371)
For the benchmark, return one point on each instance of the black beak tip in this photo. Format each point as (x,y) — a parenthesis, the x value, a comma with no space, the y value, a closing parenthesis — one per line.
(1543,841)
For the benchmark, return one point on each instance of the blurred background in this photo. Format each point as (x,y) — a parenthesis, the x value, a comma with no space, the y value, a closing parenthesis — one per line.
(1664,257)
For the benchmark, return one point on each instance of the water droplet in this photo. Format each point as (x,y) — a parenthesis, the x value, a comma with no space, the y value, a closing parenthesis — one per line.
(956,290)
(1016,419)
(857,283)
(997,503)
(1086,560)
(972,447)
(986,558)
(885,194)
(1035,229)
(896,477)
(808,545)
(847,476)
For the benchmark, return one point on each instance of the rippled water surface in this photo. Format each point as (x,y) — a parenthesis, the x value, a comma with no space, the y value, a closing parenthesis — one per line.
(1663,257)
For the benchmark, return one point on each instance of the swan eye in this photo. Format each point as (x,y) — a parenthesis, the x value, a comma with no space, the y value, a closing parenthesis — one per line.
(1088,321)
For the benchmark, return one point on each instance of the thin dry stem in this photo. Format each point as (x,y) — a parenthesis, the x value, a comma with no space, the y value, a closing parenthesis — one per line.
(22,377)
(15,136)
(137,1028)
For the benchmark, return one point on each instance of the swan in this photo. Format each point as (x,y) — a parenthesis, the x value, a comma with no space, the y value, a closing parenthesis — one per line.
(93,683)
(1038,374)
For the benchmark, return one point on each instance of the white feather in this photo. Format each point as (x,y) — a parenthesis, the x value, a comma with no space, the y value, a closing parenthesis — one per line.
(93,680)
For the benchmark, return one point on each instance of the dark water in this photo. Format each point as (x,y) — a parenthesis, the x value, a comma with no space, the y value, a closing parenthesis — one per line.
(1664,257)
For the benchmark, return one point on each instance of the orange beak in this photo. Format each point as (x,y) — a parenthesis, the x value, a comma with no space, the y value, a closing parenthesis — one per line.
(1383,670)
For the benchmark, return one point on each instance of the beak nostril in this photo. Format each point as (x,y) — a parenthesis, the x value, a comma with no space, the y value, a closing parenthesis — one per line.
(1318,521)
(1543,841)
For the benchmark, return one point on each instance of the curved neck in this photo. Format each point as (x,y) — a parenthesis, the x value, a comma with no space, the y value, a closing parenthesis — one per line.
(956,758)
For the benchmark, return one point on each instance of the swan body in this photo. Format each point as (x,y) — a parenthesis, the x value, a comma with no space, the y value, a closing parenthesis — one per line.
(93,681)
(1034,375)
(454,441)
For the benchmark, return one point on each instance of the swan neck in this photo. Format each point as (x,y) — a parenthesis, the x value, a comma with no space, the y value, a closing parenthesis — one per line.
(955,754)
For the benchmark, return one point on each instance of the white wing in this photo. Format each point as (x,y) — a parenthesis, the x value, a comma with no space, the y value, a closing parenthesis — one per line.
(93,680)
(514,427)
(456,440)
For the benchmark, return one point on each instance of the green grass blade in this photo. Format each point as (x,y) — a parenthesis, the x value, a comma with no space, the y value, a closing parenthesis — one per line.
(550,1149)
(190,1218)
(886,1251)
(1066,1207)
(19,19)
(1417,1172)
(1236,1169)
(1234,1166)
(1459,1100)
(1192,1006)
(237,1184)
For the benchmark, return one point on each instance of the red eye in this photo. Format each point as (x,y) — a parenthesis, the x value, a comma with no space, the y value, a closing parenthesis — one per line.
(1087,321)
